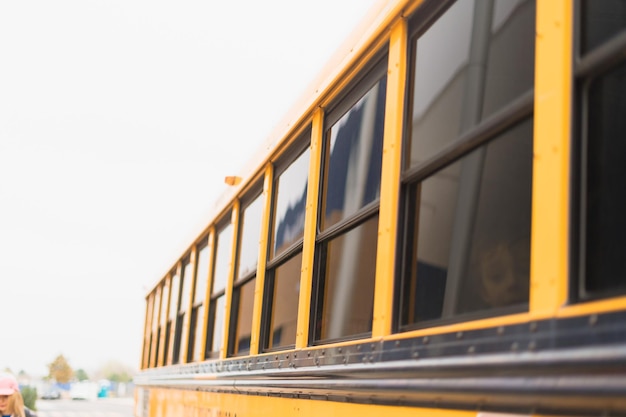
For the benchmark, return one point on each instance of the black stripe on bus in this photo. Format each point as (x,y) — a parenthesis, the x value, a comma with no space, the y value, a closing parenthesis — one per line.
(560,366)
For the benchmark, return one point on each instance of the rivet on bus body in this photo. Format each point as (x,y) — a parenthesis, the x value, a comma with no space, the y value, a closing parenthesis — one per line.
(459,335)
(415,355)
(500,330)
(533,327)
(471,349)
(593,319)
(425,340)
(532,345)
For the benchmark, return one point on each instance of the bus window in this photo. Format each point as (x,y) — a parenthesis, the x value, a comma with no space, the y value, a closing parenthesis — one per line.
(156,332)
(466,213)
(282,279)
(443,106)
(602,105)
(180,332)
(599,22)
(147,335)
(346,245)
(197,310)
(243,287)
(353,158)
(170,329)
(289,203)
(217,302)
(162,324)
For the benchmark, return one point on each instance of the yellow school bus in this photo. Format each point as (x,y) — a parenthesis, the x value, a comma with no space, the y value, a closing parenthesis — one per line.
(438,227)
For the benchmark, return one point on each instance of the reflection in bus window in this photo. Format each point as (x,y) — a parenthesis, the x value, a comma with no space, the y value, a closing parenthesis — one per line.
(291,187)
(346,258)
(250,230)
(601,21)
(467,238)
(282,280)
(174,296)
(147,335)
(491,269)
(349,286)
(243,303)
(606,188)
(243,288)
(603,126)
(156,330)
(187,280)
(195,328)
(355,145)
(215,325)
(283,293)
(172,323)
(202,273)
(222,258)
(443,107)
(181,329)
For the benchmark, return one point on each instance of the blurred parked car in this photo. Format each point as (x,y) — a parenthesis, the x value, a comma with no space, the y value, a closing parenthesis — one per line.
(51,394)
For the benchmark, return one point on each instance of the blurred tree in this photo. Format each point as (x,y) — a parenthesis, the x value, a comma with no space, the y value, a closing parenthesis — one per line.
(29,394)
(60,370)
(81,375)
(116,372)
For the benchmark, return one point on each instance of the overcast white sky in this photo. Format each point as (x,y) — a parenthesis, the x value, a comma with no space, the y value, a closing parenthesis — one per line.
(118,121)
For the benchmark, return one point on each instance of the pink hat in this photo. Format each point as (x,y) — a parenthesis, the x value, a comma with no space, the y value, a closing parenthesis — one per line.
(8,384)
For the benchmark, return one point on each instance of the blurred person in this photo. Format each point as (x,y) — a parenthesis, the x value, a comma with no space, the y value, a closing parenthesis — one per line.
(11,401)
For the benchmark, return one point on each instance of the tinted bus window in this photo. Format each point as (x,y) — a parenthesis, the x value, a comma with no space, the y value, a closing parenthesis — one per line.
(290,200)
(602,105)
(503,46)
(600,21)
(466,239)
(354,155)
(282,279)
(215,325)
(345,266)
(243,288)
(196,322)
(454,272)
